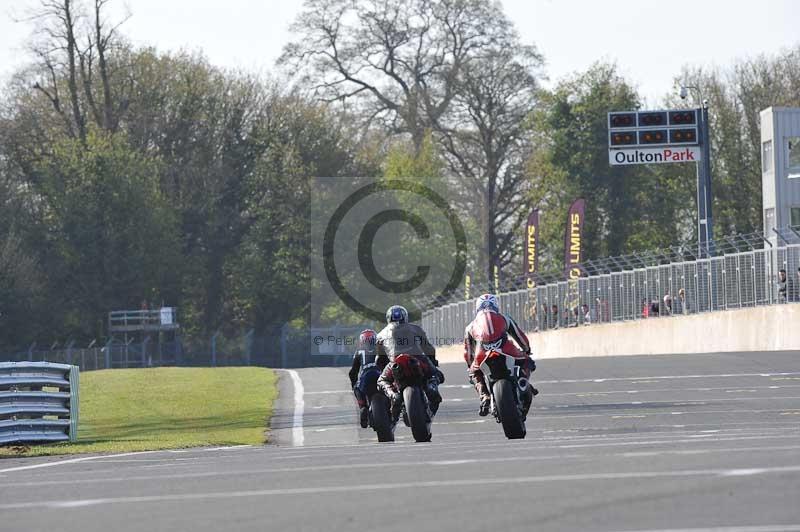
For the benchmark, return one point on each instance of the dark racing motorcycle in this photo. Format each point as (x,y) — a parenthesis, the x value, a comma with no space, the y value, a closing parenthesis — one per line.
(508,390)
(367,384)
(415,409)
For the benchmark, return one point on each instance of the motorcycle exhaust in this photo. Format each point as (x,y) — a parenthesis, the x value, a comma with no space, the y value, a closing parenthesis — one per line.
(523,384)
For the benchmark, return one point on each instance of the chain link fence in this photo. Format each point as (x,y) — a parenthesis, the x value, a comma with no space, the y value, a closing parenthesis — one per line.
(650,286)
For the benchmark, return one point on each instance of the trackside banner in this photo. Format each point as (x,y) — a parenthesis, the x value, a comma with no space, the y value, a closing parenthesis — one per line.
(532,248)
(689,154)
(573,244)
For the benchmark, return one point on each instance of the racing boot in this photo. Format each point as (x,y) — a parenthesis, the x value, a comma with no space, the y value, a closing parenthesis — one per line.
(363,409)
(483,393)
(434,397)
(396,400)
(527,399)
(486,403)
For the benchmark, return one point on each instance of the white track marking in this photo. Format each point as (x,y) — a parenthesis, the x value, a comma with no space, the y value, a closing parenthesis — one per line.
(109,458)
(71,461)
(757,528)
(348,489)
(299,469)
(667,377)
(298,438)
(744,472)
(781,412)
(237,473)
(610,379)
(685,402)
(670,390)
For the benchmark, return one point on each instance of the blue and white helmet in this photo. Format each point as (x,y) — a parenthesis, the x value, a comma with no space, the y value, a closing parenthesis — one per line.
(487,302)
(396,314)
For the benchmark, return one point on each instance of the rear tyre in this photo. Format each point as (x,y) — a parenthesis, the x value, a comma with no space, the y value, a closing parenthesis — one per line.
(381,418)
(508,410)
(417,412)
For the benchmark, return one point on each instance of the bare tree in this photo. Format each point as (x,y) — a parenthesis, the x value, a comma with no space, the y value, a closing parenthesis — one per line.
(74,48)
(399,61)
(486,140)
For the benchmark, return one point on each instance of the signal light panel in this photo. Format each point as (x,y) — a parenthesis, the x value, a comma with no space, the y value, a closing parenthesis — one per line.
(620,120)
(653,136)
(652,128)
(683,136)
(622,138)
(683,118)
(652,119)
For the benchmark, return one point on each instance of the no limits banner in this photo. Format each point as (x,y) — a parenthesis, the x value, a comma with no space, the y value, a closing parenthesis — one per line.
(531,267)
(573,241)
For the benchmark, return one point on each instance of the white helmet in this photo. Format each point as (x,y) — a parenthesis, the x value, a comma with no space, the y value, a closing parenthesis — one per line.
(487,301)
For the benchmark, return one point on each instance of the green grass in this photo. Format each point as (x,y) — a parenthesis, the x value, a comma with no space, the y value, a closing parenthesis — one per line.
(126,410)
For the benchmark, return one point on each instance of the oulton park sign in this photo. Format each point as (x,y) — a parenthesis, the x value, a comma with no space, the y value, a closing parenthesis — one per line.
(689,154)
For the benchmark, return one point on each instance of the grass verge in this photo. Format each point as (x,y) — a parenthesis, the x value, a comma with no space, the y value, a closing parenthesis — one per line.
(125,410)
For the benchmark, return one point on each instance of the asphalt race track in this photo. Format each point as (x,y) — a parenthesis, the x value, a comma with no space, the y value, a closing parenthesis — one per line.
(701,442)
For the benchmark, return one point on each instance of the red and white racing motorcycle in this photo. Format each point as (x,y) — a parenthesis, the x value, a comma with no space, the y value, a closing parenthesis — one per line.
(508,389)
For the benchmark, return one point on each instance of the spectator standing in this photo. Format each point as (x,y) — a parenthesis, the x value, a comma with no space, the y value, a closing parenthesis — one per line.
(576,317)
(781,286)
(545,318)
(587,317)
(602,314)
(793,287)
(667,304)
(532,311)
(683,304)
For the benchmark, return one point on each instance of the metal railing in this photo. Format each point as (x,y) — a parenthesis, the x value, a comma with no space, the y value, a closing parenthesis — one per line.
(159,319)
(652,286)
(38,402)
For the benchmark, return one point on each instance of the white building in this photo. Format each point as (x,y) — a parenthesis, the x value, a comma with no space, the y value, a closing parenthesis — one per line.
(780,167)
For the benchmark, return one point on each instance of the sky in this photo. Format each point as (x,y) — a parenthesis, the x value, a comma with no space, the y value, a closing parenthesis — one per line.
(650,40)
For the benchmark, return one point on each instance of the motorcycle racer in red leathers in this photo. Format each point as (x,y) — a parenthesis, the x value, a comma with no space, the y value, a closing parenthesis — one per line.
(490,330)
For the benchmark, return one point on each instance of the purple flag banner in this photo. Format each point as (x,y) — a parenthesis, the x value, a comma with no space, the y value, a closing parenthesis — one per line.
(573,241)
(532,249)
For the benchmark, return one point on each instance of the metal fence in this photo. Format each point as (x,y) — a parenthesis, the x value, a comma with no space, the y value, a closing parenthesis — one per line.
(38,402)
(282,347)
(668,286)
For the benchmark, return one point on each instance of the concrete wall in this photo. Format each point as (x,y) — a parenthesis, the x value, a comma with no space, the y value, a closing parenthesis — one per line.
(771,328)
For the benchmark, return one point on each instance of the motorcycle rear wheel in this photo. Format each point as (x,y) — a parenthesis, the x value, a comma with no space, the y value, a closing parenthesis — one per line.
(417,413)
(380,417)
(508,410)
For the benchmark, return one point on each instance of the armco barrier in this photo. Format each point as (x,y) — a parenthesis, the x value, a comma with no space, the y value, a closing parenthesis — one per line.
(38,402)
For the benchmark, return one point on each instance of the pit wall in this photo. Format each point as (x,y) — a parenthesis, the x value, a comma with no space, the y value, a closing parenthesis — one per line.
(769,328)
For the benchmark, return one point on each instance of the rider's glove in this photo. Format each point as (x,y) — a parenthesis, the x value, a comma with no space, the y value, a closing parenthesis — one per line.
(396,397)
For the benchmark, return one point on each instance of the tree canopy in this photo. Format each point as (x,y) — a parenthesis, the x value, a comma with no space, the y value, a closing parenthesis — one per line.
(129,175)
